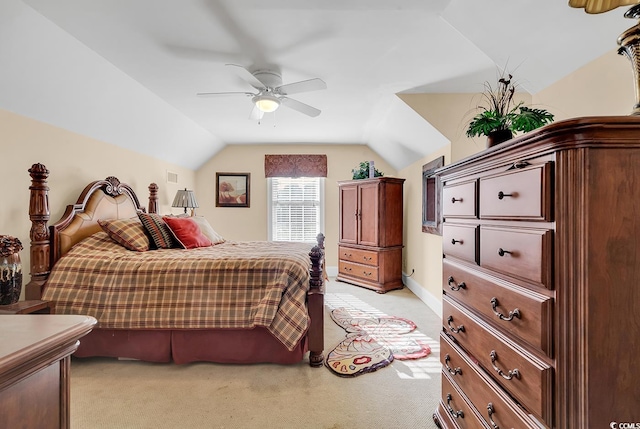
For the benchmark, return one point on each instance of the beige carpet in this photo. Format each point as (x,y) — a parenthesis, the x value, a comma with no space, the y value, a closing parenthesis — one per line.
(110,394)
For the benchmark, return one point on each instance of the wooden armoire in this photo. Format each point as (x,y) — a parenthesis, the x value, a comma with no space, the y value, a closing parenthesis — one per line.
(541,299)
(370,242)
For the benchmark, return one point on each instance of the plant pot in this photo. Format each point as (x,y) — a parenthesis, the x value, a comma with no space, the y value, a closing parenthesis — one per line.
(10,279)
(498,136)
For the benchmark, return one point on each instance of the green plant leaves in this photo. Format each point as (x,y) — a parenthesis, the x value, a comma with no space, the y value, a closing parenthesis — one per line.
(362,171)
(529,119)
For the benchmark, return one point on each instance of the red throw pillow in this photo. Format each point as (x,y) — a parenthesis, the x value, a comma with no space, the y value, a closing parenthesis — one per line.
(187,232)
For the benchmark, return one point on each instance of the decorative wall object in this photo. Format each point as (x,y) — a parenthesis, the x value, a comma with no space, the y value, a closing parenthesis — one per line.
(232,189)
(431,189)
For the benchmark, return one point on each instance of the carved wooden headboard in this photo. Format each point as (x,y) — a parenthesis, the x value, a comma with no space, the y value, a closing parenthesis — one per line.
(101,199)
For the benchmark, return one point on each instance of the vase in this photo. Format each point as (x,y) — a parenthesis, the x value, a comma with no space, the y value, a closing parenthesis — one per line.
(10,279)
(498,136)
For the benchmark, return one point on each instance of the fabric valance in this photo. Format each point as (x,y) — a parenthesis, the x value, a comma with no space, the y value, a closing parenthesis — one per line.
(295,165)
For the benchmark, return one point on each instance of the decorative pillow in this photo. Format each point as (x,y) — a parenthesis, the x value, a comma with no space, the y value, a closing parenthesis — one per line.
(127,232)
(158,229)
(207,230)
(187,231)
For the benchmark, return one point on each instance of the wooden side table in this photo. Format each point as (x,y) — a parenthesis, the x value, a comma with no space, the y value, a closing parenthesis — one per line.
(33,306)
(35,366)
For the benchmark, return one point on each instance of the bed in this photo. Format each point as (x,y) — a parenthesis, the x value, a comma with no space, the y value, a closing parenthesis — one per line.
(232,302)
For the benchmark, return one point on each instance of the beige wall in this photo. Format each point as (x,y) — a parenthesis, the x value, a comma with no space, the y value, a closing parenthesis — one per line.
(73,161)
(251,223)
(602,87)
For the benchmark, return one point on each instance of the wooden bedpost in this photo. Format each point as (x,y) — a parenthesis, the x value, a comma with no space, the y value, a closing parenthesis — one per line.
(39,234)
(153,198)
(316,304)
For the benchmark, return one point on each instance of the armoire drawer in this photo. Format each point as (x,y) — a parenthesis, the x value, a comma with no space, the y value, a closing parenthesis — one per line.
(460,241)
(360,256)
(523,253)
(517,194)
(516,310)
(459,200)
(527,378)
(458,408)
(491,402)
(358,270)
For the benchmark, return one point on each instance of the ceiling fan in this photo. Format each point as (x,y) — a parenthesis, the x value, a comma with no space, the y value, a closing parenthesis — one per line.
(272,93)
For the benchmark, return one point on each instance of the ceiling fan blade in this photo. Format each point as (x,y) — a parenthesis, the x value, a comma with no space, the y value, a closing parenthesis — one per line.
(302,86)
(300,107)
(247,76)
(211,94)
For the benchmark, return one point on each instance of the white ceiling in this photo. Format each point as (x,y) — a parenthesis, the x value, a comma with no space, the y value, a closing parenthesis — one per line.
(127,71)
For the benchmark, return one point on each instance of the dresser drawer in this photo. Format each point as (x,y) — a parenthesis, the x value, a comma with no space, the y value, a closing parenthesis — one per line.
(459,200)
(517,194)
(460,241)
(458,408)
(491,402)
(358,270)
(521,312)
(360,256)
(527,378)
(523,253)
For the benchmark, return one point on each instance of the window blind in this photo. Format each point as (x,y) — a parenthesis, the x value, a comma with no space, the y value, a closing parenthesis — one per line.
(296,208)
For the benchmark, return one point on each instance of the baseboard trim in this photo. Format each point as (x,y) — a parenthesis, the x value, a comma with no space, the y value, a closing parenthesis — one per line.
(432,302)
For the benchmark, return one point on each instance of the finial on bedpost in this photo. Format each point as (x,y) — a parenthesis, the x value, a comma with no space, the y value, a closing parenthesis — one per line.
(153,198)
(39,234)
(317,263)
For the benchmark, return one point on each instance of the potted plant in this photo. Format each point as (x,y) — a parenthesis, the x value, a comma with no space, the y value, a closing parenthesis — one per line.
(363,171)
(501,118)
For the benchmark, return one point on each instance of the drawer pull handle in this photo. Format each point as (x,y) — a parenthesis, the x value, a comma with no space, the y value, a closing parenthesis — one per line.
(502,252)
(455,414)
(453,200)
(457,287)
(367,258)
(501,195)
(366,273)
(348,255)
(452,371)
(513,373)
(454,241)
(519,164)
(347,268)
(453,328)
(512,314)
(491,411)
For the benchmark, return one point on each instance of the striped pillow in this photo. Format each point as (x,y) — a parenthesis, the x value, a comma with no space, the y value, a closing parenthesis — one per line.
(127,232)
(158,229)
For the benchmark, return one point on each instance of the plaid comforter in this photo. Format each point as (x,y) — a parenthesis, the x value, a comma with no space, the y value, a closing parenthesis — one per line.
(229,285)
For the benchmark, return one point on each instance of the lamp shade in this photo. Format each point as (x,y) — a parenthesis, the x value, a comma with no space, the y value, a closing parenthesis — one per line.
(266,103)
(186,199)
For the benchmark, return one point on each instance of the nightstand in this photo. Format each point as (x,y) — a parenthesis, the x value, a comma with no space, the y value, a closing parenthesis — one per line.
(34,306)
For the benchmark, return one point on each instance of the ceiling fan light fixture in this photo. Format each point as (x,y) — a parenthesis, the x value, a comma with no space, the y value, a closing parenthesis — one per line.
(266,103)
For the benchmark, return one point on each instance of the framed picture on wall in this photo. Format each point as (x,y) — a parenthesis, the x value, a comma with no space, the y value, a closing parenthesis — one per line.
(233,189)
(431,190)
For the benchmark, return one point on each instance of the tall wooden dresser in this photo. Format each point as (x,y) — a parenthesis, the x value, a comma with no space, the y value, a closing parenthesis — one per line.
(370,242)
(541,298)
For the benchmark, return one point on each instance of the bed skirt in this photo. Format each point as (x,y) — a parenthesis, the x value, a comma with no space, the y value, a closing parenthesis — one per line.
(239,346)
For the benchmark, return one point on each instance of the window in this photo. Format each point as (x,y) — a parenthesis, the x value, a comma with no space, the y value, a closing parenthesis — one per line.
(295,208)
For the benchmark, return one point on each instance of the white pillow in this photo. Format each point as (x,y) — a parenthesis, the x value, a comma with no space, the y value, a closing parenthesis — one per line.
(207,230)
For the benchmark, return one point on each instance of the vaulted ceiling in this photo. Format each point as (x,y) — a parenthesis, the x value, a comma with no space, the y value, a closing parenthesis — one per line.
(127,71)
